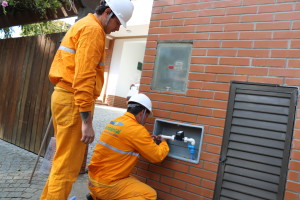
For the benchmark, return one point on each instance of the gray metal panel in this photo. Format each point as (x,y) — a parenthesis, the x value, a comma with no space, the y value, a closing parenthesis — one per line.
(256,144)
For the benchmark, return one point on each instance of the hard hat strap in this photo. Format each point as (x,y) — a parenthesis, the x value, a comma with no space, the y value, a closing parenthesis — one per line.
(143,117)
(108,18)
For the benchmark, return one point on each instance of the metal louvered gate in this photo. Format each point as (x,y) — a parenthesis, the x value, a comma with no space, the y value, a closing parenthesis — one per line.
(257,141)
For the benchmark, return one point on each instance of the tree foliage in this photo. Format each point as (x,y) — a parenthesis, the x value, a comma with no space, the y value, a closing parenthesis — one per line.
(47,27)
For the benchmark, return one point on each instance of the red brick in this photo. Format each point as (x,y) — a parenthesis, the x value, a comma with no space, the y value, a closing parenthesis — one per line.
(163,3)
(159,186)
(212,12)
(183,117)
(205,156)
(292,186)
(146,80)
(239,11)
(297,132)
(293,176)
(203,173)
(296,25)
(268,62)
(173,182)
(239,27)
(285,53)
(175,166)
(222,52)
(225,19)
(294,165)
(198,110)
(200,94)
(196,68)
(295,155)
(213,149)
(161,113)
(202,77)
(154,24)
(224,36)
(195,85)
(196,36)
(176,22)
(209,28)
(226,4)
(257,18)
(199,6)
(187,178)
(161,16)
(166,195)
(236,44)
(256,2)
(149,58)
(186,100)
(185,14)
(253,53)
(221,95)
(199,52)
(215,86)
(142,164)
(159,30)
(275,8)
(227,78)
(219,114)
(151,44)
(270,80)
(161,170)
(294,63)
(197,21)
(208,184)
(171,37)
(183,29)
(295,44)
(216,131)
(234,61)
(292,81)
(184,194)
(252,71)
(296,144)
(286,35)
(204,60)
(150,52)
(291,196)
(206,44)
(161,97)
(213,103)
(219,69)
(156,10)
(174,8)
(153,38)
(147,73)
(274,44)
(148,66)
(287,16)
(186,1)
(171,107)
(210,167)
(273,26)
(211,139)
(257,35)
(148,174)
(199,190)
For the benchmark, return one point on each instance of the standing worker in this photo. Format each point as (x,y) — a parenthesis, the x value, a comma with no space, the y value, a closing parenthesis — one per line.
(117,151)
(77,72)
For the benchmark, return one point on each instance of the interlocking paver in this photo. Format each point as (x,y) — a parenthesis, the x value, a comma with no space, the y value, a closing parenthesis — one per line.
(16,165)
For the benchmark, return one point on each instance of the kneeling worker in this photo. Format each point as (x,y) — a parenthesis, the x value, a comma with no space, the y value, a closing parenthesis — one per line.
(117,151)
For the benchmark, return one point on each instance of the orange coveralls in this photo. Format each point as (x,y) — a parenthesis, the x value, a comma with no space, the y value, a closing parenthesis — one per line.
(78,73)
(116,154)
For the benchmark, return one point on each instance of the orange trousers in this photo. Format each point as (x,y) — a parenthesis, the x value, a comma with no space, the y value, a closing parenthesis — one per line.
(70,150)
(125,189)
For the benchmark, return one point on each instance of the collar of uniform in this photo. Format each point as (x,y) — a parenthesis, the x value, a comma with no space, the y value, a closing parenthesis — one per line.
(128,114)
(96,19)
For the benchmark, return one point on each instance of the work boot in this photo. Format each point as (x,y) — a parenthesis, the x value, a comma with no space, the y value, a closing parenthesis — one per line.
(89,197)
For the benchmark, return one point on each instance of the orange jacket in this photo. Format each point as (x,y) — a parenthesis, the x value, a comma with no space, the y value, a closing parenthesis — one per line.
(118,148)
(78,65)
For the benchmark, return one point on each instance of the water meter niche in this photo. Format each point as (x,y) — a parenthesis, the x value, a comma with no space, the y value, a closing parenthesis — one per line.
(184,140)
(171,67)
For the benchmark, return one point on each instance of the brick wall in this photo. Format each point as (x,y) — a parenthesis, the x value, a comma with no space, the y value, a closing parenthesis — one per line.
(244,40)
(116,101)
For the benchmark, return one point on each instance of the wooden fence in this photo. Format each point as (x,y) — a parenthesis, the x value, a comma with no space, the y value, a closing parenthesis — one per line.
(25,90)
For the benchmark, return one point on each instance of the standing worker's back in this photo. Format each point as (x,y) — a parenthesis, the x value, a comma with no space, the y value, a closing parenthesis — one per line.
(117,151)
(77,72)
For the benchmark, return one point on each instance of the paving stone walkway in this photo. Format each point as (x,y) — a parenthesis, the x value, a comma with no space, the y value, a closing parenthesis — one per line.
(16,165)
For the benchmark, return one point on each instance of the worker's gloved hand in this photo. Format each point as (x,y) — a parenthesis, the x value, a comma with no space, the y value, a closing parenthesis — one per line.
(157,139)
(87,129)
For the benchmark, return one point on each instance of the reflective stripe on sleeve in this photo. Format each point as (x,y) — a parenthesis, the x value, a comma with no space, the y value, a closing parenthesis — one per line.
(67,49)
(101,63)
(118,150)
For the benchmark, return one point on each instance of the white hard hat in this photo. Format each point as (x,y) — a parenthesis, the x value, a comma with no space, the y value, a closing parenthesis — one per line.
(123,9)
(141,99)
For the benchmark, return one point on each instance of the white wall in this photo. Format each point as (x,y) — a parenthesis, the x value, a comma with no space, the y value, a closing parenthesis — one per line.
(123,68)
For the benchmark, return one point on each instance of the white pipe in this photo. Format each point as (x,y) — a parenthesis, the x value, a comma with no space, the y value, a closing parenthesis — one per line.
(191,140)
(167,137)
